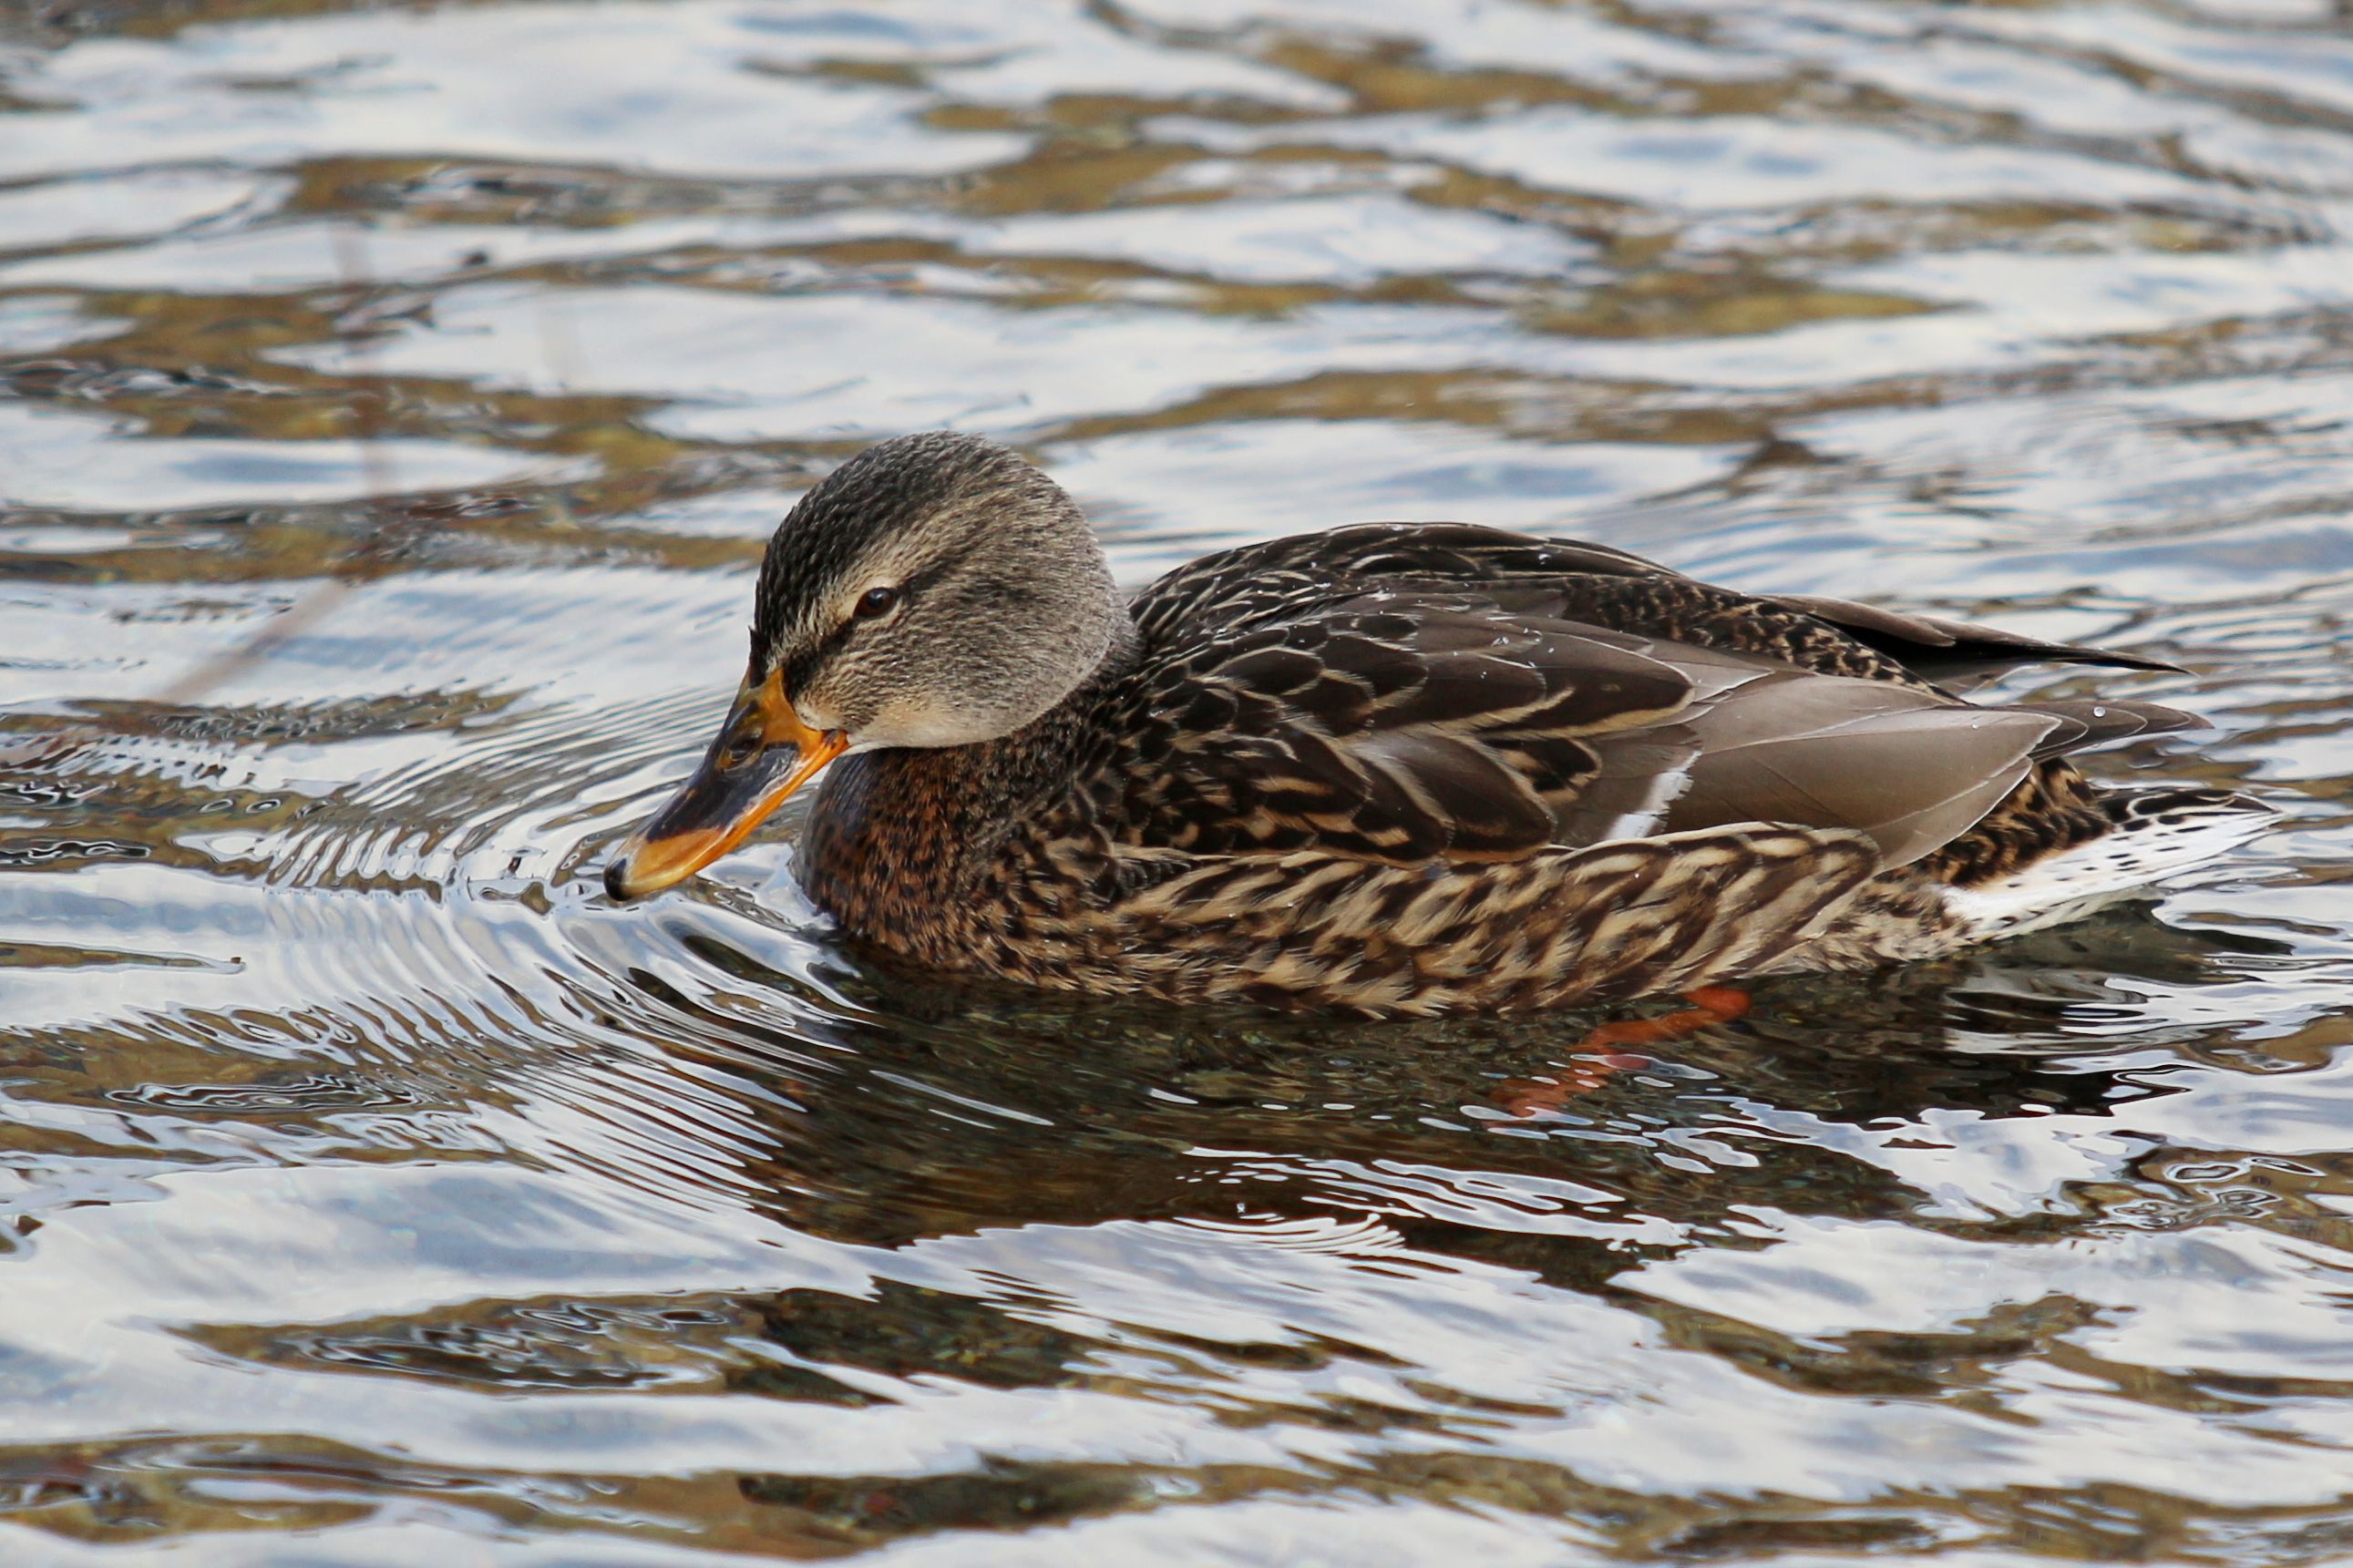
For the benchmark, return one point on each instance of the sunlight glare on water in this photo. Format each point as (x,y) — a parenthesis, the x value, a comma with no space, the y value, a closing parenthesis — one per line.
(394,402)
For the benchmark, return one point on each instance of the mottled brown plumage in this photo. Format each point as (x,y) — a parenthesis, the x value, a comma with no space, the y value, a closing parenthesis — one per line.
(1392,768)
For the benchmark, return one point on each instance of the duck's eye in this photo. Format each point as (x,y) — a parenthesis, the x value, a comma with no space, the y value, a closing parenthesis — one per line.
(876,603)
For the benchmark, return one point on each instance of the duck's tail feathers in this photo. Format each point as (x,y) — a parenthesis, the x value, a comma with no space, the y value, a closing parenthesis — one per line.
(2157,832)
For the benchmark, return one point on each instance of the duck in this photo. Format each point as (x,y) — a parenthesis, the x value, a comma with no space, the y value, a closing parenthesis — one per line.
(1387,769)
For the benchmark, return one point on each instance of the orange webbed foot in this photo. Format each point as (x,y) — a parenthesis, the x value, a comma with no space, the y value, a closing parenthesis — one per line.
(1599,1058)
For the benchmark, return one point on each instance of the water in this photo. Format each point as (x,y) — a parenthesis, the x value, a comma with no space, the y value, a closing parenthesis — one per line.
(396,401)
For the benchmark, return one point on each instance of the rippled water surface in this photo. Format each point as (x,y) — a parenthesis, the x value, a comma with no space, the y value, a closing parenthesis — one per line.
(394,400)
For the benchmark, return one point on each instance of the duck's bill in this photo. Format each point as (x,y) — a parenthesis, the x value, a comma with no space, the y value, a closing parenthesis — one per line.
(763,754)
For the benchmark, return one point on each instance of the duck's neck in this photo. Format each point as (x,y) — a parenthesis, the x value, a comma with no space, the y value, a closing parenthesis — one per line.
(901,841)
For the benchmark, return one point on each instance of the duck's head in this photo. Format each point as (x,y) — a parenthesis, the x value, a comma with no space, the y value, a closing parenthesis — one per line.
(936,590)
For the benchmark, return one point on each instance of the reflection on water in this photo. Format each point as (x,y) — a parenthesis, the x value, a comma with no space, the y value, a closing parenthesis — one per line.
(393,400)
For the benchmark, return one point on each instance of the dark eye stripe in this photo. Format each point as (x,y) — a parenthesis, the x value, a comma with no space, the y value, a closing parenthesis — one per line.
(800,671)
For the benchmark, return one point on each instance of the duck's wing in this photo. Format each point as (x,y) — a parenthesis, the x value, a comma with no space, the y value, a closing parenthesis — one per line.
(1594,584)
(1408,726)
(1912,767)
(1388,726)
(1952,653)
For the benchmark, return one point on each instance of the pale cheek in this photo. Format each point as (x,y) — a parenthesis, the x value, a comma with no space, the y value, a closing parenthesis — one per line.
(919,724)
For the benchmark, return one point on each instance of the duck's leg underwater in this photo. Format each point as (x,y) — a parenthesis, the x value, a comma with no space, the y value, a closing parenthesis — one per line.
(1601,1055)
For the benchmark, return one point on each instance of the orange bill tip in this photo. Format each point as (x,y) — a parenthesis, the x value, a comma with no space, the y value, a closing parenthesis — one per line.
(763,754)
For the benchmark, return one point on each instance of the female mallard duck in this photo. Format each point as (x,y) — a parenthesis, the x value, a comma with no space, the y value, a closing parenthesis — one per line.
(1394,768)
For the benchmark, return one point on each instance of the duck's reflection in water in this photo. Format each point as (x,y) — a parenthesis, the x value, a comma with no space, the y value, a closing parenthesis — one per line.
(958,1109)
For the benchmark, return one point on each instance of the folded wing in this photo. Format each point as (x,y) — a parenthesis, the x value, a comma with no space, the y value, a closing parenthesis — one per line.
(1450,693)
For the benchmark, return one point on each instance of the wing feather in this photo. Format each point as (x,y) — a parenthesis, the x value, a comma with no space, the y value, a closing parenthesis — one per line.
(1418,692)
